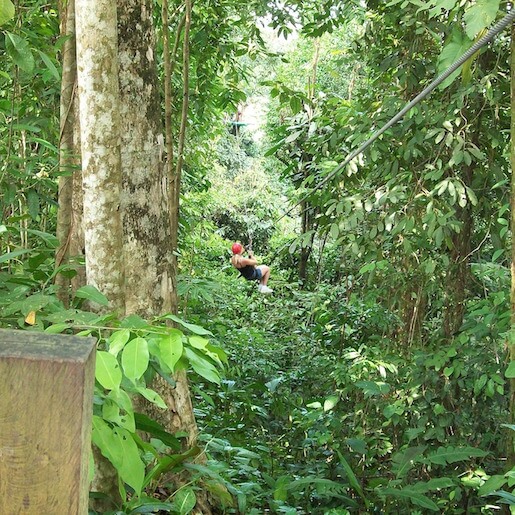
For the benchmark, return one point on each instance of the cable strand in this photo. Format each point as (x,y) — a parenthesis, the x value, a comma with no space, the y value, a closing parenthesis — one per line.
(496,29)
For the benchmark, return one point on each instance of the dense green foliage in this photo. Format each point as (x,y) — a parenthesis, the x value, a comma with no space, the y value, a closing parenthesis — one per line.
(375,378)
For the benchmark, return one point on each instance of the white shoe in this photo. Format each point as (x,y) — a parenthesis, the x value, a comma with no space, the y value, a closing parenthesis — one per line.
(264,289)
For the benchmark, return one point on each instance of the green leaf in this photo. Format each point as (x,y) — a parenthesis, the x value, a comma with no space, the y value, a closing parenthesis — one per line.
(371,388)
(111,412)
(132,468)
(152,396)
(171,348)
(123,402)
(184,501)
(492,484)
(57,328)
(480,16)
(202,366)
(11,255)
(19,51)
(6,11)
(510,371)
(281,488)
(144,423)
(198,342)
(90,293)
(135,358)
(411,495)
(134,322)
(446,455)
(49,64)
(456,47)
(404,460)
(118,340)
(196,329)
(293,136)
(353,480)
(107,370)
(103,437)
(331,402)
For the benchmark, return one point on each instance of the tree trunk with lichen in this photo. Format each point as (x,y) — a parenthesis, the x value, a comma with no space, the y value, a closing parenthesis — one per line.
(145,210)
(99,108)
(99,120)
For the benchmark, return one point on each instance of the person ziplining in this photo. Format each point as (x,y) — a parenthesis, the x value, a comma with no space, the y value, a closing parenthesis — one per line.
(249,268)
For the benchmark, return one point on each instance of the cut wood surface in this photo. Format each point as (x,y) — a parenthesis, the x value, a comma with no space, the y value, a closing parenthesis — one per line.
(46,392)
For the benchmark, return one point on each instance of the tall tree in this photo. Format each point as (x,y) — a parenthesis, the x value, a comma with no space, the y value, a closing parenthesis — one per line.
(125,211)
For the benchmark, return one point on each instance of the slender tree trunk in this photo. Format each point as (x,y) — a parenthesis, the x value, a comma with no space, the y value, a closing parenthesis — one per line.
(458,273)
(176,195)
(511,342)
(69,229)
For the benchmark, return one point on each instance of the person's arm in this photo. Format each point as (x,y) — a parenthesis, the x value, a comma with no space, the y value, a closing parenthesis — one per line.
(249,261)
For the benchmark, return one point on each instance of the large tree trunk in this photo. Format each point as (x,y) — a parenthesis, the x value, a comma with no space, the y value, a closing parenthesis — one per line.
(99,112)
(99,104)
(146,230)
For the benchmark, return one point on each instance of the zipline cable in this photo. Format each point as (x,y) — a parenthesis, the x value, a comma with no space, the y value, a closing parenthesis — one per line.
(496,29)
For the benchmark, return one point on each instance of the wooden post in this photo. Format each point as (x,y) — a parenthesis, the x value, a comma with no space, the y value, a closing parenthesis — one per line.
(46,393)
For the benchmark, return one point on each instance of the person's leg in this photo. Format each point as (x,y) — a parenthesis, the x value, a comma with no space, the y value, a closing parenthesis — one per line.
(265,274)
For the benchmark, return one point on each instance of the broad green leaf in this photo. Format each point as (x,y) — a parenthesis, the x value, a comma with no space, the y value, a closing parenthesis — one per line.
(281,488)
(135,358)
(293,136)
(331,402)
(510,371)
(404,460)
(6,11)
(196,329)
(171,348)
(202,366)
(152,396)
(111,412)
(438,483)
(134,322)
(184,501)
(118,340)
(18,49)
(480,16)
(132,469)
(13,254)
(104,438)
(107,370)
(90,293)
(144,423)
(49,64)
(371,388)
(353,480)
(410,494)
(492,484)
(198,342)
(446,455)
(57,328)
(452,51)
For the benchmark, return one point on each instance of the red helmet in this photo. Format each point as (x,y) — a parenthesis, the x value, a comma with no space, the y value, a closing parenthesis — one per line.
(237,248)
